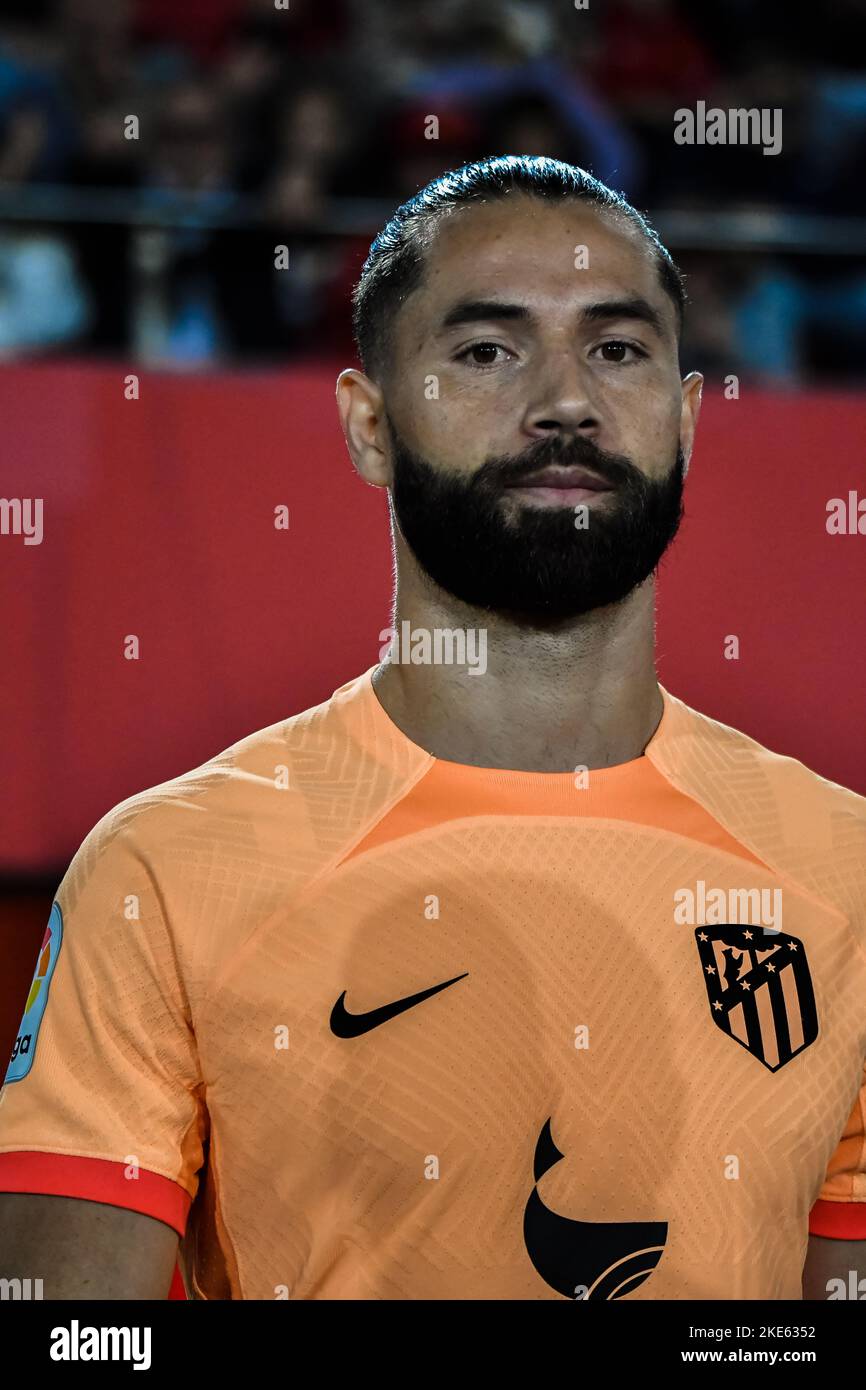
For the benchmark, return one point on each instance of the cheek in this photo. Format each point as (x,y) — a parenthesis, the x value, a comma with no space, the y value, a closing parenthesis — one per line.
(657,399)
(450,429)
(650,426)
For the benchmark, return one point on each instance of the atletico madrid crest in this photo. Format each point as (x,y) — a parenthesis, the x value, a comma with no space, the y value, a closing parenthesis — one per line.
(760,990)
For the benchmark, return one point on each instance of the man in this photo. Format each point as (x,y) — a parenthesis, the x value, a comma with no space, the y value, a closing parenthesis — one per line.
(509,979)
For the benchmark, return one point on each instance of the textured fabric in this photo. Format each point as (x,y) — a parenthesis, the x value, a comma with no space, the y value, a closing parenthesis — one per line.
(637,1066)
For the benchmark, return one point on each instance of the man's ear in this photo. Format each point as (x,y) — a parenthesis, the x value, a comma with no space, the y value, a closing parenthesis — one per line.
(692,386)
(361,409)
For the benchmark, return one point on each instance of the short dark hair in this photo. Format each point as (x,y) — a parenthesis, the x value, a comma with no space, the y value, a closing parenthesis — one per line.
(395,264)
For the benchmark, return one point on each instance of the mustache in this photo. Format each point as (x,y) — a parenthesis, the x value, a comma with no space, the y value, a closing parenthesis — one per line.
(576,452)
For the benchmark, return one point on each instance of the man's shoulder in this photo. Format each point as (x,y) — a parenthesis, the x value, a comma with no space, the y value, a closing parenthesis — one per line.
(800,823)
(293,794)
(730,752)
(264,774)
(222,846)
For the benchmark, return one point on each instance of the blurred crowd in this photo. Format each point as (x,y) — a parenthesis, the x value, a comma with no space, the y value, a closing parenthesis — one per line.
(305,122)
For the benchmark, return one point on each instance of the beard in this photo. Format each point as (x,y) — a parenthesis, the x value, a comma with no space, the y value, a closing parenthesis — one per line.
(494,551)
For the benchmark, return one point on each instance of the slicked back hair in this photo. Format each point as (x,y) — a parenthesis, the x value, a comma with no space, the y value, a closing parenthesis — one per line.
(395,264)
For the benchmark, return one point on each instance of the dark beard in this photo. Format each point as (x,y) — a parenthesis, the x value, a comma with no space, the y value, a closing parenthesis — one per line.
(529,562)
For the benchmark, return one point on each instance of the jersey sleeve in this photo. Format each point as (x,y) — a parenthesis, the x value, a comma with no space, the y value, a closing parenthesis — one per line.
(103,1097)
(840,1210)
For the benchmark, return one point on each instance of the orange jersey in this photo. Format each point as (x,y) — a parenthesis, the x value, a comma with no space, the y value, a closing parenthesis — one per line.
(360,1023)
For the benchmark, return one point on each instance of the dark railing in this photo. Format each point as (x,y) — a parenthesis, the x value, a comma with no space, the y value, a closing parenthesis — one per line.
(743,228)
(151,215)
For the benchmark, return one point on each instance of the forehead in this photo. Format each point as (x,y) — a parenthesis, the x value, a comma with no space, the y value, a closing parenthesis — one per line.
(524,249)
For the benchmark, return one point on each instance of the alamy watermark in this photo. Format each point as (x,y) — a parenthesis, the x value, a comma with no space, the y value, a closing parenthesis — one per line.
(22,516)
(438,646)
(23,1290)
(736,126)
(708,907)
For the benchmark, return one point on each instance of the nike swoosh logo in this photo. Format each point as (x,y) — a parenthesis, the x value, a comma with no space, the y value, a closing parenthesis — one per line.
(346,1025)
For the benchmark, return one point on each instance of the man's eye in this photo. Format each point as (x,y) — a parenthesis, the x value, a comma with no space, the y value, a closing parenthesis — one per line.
(616,350)
(481,354)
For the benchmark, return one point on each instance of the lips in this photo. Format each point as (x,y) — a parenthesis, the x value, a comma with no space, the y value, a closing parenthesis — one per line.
(564,479)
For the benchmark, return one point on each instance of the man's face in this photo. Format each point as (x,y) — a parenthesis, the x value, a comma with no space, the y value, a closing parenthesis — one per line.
(523,360)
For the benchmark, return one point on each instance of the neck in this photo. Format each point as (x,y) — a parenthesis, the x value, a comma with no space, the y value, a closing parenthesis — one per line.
(582,694)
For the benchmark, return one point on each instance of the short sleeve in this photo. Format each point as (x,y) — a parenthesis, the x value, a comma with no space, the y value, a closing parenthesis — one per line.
(103,1099)
(840,1210)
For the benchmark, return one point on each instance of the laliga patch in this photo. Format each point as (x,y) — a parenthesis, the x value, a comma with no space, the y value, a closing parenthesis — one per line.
(25,1043)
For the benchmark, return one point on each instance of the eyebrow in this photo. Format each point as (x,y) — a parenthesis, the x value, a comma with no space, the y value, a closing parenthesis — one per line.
(473,310)
(477,310)
(635,308)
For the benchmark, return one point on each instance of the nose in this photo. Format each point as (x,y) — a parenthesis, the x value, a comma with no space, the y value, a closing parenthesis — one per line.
(560,401)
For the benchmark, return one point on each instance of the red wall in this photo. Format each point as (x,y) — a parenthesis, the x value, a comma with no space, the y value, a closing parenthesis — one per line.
(158,521)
